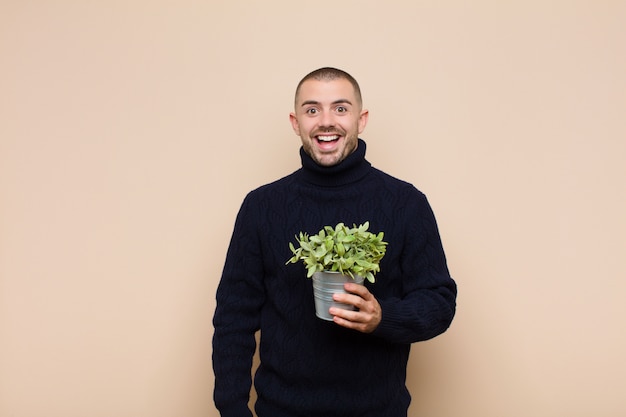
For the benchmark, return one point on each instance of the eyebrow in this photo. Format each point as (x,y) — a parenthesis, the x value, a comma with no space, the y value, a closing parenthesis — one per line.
(340,101)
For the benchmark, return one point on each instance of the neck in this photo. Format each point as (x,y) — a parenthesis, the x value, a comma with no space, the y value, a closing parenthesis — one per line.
(351,169)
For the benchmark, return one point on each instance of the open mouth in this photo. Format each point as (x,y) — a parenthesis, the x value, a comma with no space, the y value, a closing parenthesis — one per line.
(327,138)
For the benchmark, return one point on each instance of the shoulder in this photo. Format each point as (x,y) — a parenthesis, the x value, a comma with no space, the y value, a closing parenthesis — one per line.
(396,184)
(272,192)
(402,197)
(279,185)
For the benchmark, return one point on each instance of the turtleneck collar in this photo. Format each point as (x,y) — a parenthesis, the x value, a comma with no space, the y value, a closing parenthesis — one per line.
(351,169)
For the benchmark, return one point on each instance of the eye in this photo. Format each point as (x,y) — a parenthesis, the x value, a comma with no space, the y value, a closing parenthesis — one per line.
(341,109)
(311,111)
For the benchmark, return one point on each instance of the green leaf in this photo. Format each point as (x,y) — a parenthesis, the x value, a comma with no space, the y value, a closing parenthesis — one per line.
(316,239)
(351,251)
(311,270)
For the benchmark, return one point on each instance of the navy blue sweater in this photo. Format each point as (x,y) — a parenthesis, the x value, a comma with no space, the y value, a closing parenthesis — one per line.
(311,367)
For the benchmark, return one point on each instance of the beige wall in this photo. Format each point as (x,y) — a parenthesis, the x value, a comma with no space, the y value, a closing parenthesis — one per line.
(130,131)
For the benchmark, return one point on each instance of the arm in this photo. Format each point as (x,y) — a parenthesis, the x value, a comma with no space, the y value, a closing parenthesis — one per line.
(428,302)
(240,297)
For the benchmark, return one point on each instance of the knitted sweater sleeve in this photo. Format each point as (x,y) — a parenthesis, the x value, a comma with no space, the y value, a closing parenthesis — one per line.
(240,296)
(428,302)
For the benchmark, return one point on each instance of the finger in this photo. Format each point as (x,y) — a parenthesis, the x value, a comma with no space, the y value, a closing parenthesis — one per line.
(350,319)
(365,311)
(352,299)
(358,289)
(353,320)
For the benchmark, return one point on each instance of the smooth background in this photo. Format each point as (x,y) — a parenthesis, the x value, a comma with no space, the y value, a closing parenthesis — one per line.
(130,131)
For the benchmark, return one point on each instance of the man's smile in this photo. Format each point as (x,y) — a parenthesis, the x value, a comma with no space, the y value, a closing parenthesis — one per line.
(327,138)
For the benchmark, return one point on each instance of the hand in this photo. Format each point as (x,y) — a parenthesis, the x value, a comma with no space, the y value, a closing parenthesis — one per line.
(369,313)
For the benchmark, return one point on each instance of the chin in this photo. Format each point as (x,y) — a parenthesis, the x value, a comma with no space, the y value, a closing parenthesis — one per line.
(330,160)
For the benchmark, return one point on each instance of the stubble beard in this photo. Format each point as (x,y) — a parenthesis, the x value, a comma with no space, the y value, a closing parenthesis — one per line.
(335,159)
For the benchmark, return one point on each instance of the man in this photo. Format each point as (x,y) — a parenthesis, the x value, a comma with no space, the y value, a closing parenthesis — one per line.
(354,365)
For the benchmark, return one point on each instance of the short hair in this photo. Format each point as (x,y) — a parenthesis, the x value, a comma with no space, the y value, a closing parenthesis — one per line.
(330,74)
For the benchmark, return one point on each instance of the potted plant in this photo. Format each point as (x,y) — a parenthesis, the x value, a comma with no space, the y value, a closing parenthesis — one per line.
(336,255)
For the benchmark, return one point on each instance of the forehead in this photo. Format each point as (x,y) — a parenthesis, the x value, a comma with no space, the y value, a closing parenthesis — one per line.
(326,91)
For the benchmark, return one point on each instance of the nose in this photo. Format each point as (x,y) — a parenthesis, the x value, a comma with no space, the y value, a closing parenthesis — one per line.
(327,119)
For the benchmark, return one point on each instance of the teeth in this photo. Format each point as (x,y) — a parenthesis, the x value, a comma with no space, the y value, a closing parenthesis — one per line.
(328,138)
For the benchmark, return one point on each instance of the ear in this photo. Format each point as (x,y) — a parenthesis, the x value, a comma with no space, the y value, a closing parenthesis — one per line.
(294,123)
(363,117)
